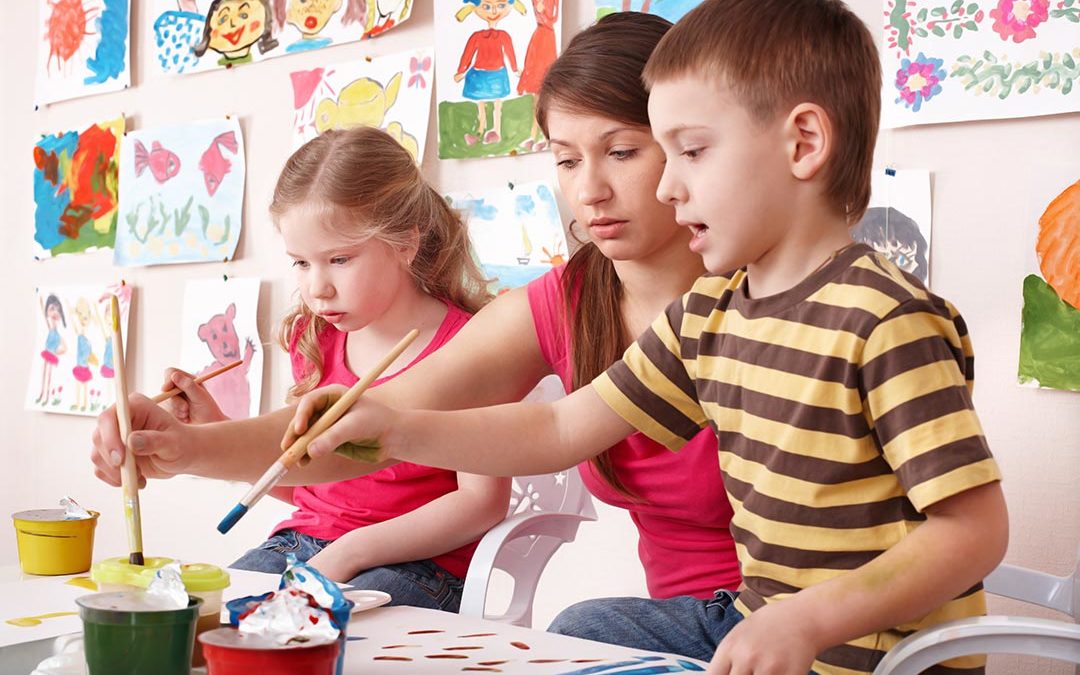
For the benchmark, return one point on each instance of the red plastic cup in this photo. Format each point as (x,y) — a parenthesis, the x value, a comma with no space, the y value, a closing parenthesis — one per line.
(230,652)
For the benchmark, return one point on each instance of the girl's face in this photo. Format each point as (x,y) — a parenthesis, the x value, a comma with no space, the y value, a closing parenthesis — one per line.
(493,11)
(608,172)
(348,282)
(236,25)
(52,313)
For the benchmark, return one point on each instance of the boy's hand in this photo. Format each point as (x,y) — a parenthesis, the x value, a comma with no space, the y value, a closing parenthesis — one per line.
(774,640)
(195,405)
(356,435)
(157,439)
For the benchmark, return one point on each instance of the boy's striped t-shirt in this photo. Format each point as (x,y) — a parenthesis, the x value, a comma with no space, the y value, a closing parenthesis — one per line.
(843,410)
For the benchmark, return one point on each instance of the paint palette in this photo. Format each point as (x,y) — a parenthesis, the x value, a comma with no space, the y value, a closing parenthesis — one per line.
(365,600)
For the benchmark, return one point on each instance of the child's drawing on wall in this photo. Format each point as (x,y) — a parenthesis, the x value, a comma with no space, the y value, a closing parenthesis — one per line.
(219,328)
(72,371)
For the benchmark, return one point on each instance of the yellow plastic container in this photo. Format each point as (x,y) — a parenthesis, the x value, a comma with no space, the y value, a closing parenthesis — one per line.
(50,545)
(201,580)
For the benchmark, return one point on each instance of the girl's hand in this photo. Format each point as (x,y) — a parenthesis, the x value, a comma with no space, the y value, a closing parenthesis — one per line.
(359,429)
(458,77)
(335,563)
(194,405)
(158,440)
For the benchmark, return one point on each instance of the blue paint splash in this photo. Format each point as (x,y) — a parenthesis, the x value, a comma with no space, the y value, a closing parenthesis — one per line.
(52,200)
(524,205)
(477,208)
(108,61)
(544,194)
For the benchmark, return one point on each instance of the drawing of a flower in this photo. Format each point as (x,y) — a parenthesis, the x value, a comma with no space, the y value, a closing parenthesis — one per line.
(919,80)
(1016,19)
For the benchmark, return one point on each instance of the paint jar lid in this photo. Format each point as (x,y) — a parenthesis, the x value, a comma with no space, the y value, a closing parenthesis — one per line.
(130,601)
(197,577)
(234,639)
(47,515)
(201,577)
(119,571)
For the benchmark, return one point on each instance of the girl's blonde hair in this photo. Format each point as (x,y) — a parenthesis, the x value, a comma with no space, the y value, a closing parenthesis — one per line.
(375,190)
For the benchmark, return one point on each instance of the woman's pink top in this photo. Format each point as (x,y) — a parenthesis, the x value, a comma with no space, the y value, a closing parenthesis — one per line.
(681,512)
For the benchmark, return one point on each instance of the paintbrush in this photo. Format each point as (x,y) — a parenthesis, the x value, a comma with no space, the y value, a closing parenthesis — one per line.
(166,395)
(298,449)
(129,477)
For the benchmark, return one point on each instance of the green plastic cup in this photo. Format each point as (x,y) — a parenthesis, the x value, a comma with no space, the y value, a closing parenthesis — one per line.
(134,633)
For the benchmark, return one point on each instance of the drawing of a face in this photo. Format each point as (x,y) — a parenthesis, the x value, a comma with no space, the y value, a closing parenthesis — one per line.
(219,334)
(235,25)
(904,254)
(52,314)
(493,11)
(311,16)
(82,312)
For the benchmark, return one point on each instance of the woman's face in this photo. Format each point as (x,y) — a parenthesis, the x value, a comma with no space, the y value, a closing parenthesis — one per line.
(608,172)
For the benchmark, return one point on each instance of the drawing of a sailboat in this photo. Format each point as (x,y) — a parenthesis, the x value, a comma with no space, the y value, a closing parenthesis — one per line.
(526,247)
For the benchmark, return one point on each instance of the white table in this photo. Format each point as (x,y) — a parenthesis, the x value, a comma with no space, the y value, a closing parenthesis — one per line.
(382,641)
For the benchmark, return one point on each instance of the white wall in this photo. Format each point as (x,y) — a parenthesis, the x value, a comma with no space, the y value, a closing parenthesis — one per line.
(981,232)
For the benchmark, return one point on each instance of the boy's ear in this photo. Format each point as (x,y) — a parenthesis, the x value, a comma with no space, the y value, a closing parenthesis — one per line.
(809,139)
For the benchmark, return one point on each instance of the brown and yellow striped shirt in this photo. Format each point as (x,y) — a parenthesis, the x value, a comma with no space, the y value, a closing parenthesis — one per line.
(843,410)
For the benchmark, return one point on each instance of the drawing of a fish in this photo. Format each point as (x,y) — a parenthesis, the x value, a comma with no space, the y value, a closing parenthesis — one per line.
(163,164)
(213,164)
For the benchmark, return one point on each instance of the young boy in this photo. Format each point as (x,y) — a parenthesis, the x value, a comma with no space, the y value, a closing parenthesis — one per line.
(867,504)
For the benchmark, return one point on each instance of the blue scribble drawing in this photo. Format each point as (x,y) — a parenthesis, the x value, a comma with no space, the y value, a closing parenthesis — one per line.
(642,665)
(110,60)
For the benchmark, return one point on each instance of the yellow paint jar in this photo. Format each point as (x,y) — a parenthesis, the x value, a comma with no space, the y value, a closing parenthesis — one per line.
(50,545)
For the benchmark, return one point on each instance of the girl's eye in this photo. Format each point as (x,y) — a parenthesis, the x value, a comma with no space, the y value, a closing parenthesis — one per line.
(623,154)
(339,260)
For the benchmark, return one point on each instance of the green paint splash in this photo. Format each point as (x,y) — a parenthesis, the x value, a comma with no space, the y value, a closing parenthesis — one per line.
(1049,338)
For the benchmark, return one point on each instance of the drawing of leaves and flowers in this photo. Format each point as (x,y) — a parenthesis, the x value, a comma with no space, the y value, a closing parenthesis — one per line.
(1014,20)
(919,80)
(989,74)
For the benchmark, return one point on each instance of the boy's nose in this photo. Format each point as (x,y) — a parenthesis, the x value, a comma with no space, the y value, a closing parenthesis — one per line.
(668,190)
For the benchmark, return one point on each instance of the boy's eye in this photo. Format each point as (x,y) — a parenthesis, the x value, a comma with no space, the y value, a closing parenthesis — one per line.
(339,260)
(302,264)
(692,153)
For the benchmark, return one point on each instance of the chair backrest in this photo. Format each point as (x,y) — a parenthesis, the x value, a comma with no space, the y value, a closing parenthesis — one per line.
(1038,588)
(561,492)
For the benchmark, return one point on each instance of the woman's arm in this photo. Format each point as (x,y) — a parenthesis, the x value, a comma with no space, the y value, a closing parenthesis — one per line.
(442,525)
(494,358)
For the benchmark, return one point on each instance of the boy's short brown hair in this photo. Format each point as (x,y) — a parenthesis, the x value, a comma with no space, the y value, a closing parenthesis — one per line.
(778,53)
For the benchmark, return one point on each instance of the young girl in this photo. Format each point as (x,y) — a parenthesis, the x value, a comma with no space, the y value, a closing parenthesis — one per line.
(54,345)
(376,252)
(593,106)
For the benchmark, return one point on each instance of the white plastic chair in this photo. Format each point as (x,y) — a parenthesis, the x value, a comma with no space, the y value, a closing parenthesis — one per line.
(1000,634)
(545,512)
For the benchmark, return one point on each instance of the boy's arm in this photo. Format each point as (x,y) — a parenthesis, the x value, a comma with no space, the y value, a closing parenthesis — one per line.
(440,526)
(962,540)
(508,440)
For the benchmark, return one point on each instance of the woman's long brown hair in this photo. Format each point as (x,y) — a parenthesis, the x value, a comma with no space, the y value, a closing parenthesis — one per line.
(599,73)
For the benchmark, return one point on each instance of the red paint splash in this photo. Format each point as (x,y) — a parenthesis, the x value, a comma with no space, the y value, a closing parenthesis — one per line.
(88,180)
(66,28)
